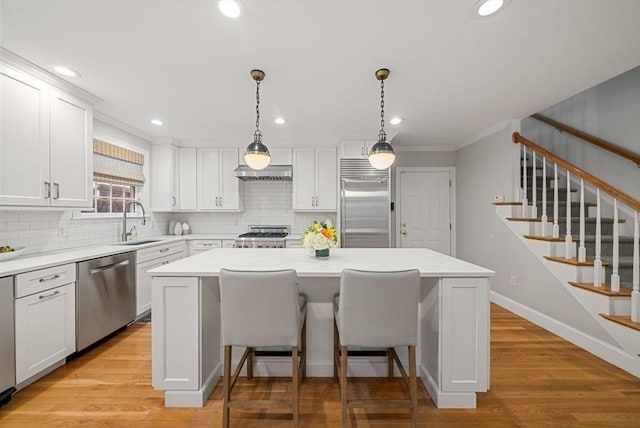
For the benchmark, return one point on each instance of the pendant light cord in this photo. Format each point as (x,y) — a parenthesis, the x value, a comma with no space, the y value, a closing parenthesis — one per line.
(382,133)
(257,134)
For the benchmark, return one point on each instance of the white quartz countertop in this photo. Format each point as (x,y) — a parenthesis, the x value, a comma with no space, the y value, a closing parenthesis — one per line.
(430,263)
(43,260)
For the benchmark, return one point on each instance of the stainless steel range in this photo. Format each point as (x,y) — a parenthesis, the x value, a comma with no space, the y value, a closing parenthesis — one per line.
(260,236)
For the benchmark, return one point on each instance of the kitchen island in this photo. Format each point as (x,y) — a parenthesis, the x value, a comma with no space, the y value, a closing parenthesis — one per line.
(453,324)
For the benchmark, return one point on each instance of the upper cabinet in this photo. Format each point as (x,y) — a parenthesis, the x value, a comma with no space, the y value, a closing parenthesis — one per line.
(218,188)
(188,178)
(165,177)
(355,149)
(45,143)
(315,181)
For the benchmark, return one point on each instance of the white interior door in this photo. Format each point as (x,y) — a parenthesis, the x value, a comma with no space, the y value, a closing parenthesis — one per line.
(425,211)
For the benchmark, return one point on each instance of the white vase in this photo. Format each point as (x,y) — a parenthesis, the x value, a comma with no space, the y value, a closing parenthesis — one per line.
(177,230)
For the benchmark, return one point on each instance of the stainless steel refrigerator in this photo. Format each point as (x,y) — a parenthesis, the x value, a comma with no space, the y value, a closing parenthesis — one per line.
(365,205)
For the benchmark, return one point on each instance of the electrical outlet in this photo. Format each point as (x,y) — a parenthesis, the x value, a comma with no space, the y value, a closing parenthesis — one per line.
(512,281)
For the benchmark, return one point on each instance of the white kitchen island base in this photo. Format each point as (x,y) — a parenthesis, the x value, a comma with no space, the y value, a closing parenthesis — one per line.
(453,333)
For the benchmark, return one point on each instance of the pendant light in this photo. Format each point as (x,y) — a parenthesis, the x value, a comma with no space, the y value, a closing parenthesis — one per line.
(381,155)
(257,155)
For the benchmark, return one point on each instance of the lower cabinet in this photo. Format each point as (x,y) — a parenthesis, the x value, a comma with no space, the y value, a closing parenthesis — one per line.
(199,245)
(174,252)
(45,324)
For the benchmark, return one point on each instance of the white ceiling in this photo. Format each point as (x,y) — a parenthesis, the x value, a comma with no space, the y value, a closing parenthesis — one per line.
(452,76)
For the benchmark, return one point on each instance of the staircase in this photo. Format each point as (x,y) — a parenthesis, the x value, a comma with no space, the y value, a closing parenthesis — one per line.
(579,246)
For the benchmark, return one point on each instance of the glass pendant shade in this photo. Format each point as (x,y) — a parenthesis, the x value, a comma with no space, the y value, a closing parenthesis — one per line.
(257,155)
(382,155)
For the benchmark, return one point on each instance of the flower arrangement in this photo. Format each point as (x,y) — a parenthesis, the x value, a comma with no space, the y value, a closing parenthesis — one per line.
(319,236)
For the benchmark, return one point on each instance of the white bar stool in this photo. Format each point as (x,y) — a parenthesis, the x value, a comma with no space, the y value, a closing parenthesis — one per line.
(377,309)
(261,309)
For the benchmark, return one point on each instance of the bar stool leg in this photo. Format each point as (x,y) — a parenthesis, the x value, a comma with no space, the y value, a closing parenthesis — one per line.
(343,384)
(250,363)
(296,384)
(389,363)
(303,341)
(336,338)
(413,386)
(226,386)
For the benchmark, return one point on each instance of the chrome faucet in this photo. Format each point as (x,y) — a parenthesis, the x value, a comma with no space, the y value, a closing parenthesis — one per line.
(124,218)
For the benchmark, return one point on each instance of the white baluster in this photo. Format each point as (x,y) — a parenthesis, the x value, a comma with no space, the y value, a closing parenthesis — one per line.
(525,202)
(568,241)
(615,278)
(582,251)
(597,263)
(635,294)
(544,218)
(556,226)
(534,191)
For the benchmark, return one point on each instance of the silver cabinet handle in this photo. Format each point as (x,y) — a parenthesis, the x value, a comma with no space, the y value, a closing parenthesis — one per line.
(109,267)
(164,250)
(49,278)
(221,203)
(56,188)
(206,245)
(217,201)
(44,296)
(173,204)
(47,190)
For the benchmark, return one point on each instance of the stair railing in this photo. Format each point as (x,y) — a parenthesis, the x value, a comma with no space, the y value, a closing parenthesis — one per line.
(618,197)
(599,142)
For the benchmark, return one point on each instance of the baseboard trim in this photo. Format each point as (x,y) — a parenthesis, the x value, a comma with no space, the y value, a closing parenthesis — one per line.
(597,347)
(195,398)
(447,400)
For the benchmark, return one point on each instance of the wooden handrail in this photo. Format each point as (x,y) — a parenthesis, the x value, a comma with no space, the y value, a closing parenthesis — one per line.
(618,194)
(620,151)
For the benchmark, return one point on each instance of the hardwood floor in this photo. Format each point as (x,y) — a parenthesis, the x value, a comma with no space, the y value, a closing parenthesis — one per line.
(537,380)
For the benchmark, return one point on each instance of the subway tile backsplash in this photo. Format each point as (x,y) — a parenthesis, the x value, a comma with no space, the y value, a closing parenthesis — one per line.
(263,202)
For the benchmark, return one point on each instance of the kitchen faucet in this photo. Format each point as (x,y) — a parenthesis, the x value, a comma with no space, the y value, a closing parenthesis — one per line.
(124,218)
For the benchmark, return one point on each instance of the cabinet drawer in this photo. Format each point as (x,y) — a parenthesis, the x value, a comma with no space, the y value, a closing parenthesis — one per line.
(44,279)
(228,243)
(205,244)
(157,251)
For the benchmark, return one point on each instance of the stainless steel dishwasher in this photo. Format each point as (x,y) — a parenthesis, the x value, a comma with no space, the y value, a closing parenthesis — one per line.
(106,297)
(7,350)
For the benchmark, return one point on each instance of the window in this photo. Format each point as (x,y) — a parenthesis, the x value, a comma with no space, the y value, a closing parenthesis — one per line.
(118,178)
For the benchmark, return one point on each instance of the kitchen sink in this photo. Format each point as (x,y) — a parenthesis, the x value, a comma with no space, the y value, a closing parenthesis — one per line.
(133,243)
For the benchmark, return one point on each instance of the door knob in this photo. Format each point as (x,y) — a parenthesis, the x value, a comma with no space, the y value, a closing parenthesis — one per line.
(404,232)
(404,224)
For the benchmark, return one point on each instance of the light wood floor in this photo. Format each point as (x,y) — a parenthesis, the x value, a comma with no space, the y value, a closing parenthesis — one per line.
(537,380)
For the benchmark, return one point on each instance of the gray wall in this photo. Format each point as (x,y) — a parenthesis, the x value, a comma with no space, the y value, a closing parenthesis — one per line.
(484,169)
(611,111)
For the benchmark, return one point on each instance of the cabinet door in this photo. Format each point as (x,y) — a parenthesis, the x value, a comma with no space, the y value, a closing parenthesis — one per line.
(45,330)
(304,179)
(188,193)
(71,151)
(143,285)
(208,179)
(353,150)
(326,179)
(24,139)
(165,165)
(229,185)
(175,177)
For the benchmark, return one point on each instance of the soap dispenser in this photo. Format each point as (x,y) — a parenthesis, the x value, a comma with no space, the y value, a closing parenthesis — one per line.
(134,233)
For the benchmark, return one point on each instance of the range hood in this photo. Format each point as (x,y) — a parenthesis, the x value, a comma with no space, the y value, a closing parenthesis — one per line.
(270,173)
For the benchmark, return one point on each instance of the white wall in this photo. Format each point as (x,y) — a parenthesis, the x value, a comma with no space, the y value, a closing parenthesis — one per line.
(611,111)
(484,169)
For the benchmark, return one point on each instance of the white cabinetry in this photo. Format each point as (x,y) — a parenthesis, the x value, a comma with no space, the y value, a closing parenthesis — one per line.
(165,177)
(355,149)
(46,152)
(188,178)
(315,181)
(200,245)
(218,189)
(44,319)
(150,258)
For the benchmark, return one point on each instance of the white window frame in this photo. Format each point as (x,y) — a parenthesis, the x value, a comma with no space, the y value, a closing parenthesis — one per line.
(146,188)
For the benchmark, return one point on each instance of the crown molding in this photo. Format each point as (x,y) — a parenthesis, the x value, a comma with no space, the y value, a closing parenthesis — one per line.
(121,125)
(21,64)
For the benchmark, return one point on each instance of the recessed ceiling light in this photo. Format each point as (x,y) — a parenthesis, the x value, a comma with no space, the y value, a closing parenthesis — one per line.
(279,120)
(485,8)
(157,122)
(395,120)
(66,71)
(229,8)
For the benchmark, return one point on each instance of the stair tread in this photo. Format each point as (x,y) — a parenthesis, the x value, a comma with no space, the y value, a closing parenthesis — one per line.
(573,261)
(605,289)
(605,220)
(624,320)
(509,203)
(587,238)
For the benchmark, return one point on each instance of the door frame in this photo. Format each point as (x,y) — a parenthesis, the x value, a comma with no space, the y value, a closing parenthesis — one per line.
(452,198)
